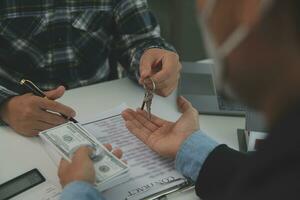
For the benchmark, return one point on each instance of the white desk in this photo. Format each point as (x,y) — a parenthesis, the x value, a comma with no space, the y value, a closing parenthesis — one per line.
(19,154)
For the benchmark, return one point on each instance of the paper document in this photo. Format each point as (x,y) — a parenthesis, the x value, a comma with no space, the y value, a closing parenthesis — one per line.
(149,173)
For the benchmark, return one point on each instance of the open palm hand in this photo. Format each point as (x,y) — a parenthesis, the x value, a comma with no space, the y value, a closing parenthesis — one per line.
(162,136)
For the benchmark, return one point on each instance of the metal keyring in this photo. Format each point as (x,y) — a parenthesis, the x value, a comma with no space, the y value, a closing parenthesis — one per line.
(153,83)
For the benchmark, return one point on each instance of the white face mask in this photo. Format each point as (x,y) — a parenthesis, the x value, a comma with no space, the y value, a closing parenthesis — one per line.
(220,53)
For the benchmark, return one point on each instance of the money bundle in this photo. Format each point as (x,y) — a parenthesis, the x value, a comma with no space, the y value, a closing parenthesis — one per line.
(68,137)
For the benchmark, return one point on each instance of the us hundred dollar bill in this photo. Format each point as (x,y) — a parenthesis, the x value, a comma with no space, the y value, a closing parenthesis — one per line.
(67,138)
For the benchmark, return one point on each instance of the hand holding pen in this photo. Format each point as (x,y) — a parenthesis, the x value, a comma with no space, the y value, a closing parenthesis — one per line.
(38,92)
(29,114)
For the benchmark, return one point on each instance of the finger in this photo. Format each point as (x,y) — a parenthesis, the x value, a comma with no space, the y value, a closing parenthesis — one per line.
(183,104)
(154,119)
(165,91)
(129,115)
(156,67)
(146,63)
(146,122)
(140,134)
(38,126)
(63,165)
(56,107)
(134,124)
(56,93)
(118,153)
(82,154)
(41,126)
(170,68)
(161,77)
(31,132)
(125,114)
(51,118)
(168,83)
(108,147)
(165,88)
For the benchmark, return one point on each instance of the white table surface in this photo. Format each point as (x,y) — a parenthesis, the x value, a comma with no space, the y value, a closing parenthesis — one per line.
(19,154)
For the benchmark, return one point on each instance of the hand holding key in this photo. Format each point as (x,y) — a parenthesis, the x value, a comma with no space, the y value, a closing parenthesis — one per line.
(149,94)
(163,66)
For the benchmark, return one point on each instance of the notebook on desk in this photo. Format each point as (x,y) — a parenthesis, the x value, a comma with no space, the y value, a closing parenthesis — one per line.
(151,176)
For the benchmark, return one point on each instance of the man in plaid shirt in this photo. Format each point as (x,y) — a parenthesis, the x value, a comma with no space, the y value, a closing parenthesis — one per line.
(67,44)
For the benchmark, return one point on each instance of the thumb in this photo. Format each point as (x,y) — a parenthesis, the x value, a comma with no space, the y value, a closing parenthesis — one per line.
(63,166)
(183,104)
(56,93)
(146,63)
(83,153)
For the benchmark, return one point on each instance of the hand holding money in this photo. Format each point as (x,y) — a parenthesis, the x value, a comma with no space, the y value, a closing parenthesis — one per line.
(66,139)
(81,168)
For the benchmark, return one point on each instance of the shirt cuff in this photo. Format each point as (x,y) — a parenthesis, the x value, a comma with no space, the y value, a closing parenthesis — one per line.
(80,190)
(193,153)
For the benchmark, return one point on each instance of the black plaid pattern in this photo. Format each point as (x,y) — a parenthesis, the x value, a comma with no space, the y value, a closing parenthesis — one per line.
(54,42)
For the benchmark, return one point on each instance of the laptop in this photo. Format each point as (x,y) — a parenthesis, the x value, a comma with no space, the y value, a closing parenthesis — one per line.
(197,85)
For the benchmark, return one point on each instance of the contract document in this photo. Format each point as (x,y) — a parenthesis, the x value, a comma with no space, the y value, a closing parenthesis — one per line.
(151,175)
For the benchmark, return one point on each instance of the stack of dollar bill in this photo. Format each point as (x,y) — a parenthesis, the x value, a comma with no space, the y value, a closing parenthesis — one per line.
(67,138)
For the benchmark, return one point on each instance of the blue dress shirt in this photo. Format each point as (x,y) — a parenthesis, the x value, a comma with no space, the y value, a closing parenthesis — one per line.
(193,153)
(189,160)
(79,190)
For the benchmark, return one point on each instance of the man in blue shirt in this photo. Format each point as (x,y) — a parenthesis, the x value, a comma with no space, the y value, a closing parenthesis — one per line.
(257,54)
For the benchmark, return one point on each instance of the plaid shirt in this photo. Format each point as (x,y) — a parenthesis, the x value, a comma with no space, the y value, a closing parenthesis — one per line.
(69,42)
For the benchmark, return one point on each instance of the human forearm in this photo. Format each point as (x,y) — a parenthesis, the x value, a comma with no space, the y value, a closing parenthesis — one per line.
(193,153)
(137,31)
(209,165)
